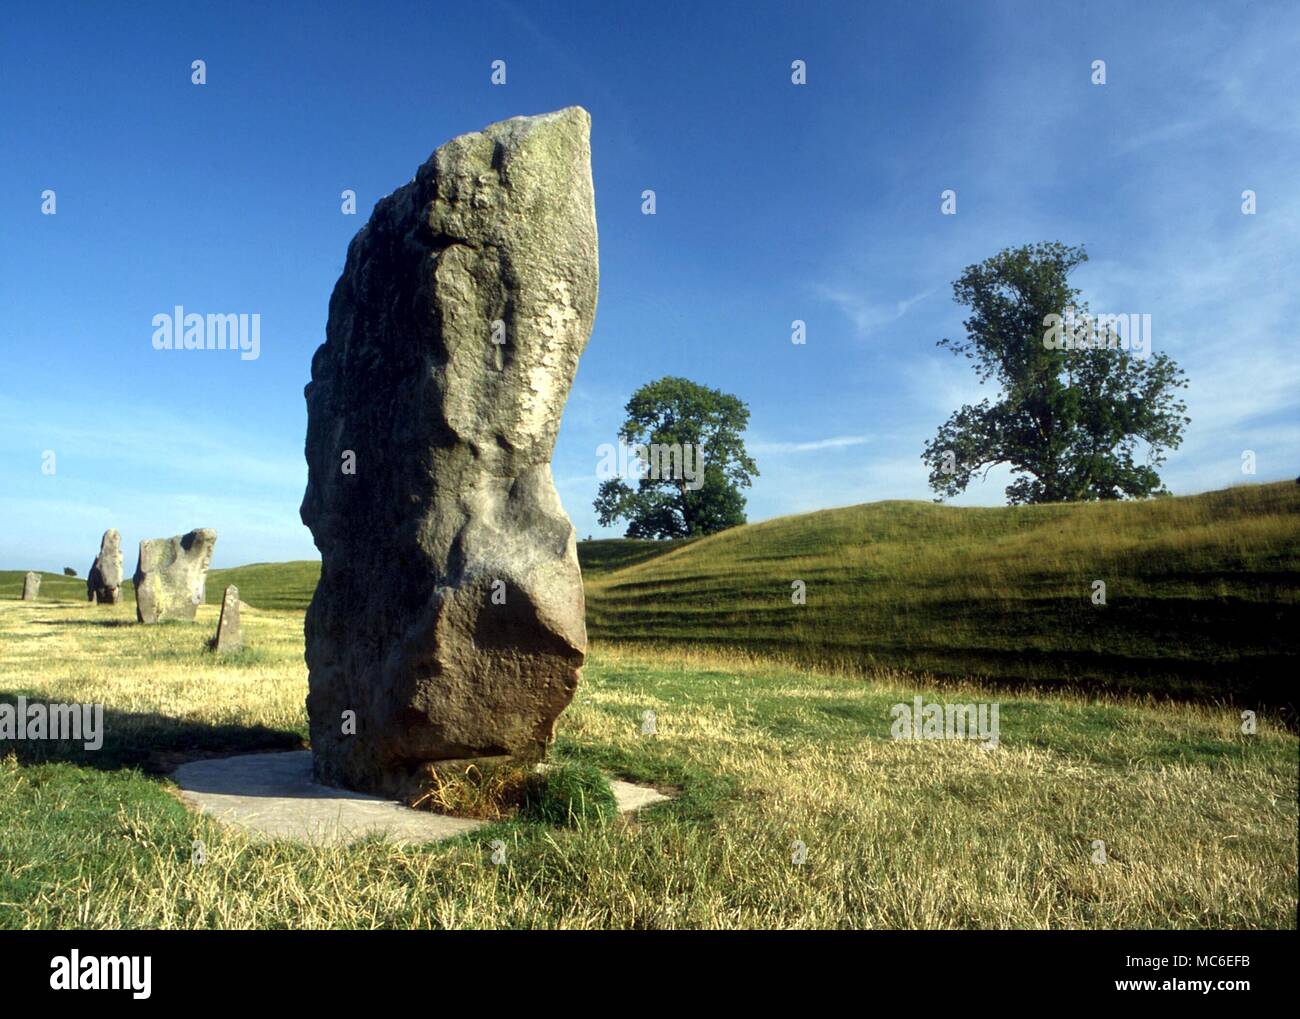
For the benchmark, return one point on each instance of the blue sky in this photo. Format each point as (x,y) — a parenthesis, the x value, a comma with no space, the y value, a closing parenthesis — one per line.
(775,202)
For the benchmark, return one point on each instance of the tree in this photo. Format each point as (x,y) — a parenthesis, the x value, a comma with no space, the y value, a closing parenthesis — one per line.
(1079,407)
(688,458)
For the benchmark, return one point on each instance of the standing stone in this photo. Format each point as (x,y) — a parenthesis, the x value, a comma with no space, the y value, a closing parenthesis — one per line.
(31,586)
(449,615)
(170,575)
(229,638)
(104,581)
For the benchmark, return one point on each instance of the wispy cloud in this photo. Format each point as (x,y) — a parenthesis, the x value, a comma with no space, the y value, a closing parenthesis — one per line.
(149,474)
(839,442)
(148,443)
(865,314)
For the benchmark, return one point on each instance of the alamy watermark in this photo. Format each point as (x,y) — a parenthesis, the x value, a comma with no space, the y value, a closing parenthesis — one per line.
(83,723)
(919,720)
(77,972)
(179,330)
(657,461)
(1075,331)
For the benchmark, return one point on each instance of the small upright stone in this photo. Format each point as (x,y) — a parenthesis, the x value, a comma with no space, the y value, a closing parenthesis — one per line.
(104,581)
(170,575)
(31,585)
(229,638)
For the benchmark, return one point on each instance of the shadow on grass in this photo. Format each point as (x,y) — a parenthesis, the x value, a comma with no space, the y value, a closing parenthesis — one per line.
(1262,682)
(85,622)
(152,742)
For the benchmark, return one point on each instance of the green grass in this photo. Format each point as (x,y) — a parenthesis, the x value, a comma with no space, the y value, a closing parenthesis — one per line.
(268,585)
(54,586)
(1202,592)
(605,555)
(569,794)
(1199,820)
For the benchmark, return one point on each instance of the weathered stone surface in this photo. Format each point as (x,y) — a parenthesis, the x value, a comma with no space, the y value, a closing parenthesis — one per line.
(229,637)
(104,581)
(449,615)
(31,586)
(170,574)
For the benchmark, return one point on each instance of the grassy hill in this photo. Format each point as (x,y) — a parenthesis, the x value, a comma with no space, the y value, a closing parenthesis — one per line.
(1201,591)
(607,554)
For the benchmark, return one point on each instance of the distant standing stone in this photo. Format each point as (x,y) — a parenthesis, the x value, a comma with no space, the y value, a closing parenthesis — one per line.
(229,638)
(31,585)
(170,575)
(104,581)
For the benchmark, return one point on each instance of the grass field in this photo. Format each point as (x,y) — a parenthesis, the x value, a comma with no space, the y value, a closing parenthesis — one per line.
(773,729)
(1199,820)
(1202,592)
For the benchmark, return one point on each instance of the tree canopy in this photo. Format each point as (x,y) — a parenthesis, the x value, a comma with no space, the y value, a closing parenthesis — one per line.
(684,443)
(1084,411)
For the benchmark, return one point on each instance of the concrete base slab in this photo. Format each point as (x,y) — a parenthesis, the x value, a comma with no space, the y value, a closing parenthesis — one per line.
(631,796)
(273,795)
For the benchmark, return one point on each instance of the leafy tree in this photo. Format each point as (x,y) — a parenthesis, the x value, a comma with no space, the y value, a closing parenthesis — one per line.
(703,428)
(1068,421)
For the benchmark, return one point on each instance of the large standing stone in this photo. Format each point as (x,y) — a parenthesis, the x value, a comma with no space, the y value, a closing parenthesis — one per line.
(449,615)
(170,575)
(31,586)
(104,581)
(229,638)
